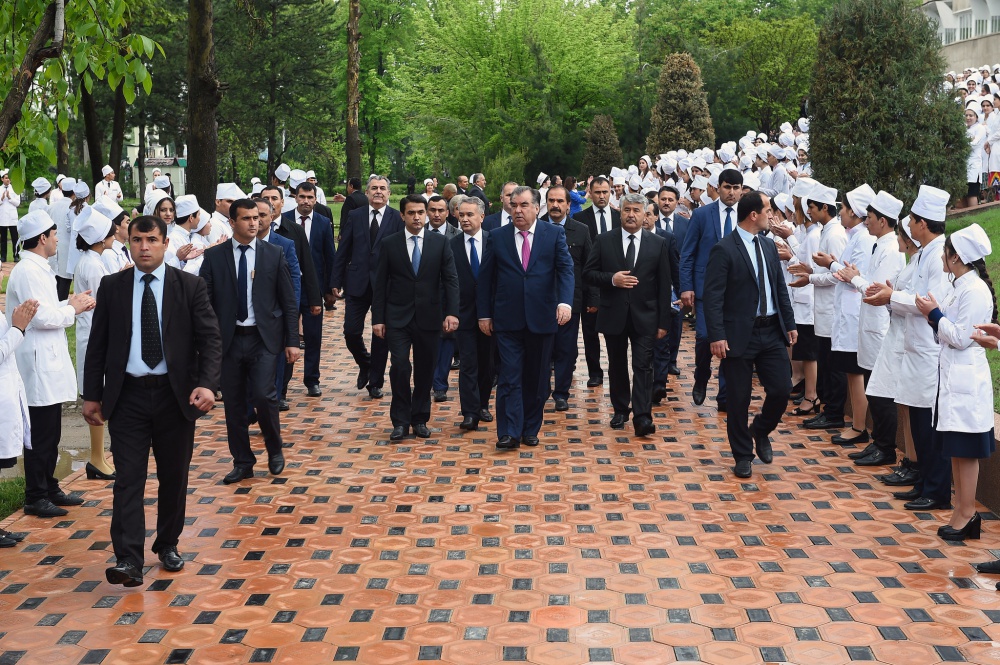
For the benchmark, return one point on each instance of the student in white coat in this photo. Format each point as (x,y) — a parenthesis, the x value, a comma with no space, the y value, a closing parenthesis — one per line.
(81,192)
(116,257)
(59,212)
(44,362)
(963,417)
(883,266)
(9,200)
(42,189)
(95,235)
(15,427)
(917,384)
(108,186)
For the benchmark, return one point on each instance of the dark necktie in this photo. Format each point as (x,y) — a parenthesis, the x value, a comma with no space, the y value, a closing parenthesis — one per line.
(874,247)
(761,294)
(416,255)
(630,253)
(473,258)
(604,223)
(125,250)
(438,231)
(373,232)
(242,310)
(149,326)
(729,221)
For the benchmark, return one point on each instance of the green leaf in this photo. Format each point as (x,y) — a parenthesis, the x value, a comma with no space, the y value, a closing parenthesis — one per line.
(129,90)
(17,175)
(54,71)
(147,46)
(62,120)
(113,80)
(139,70)
(147,84)
(80,61)
(88,82)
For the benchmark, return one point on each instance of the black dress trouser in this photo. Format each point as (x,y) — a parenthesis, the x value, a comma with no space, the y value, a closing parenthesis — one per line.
(40,460)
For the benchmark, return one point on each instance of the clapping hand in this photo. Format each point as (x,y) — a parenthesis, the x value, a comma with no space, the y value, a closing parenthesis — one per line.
(81,302)
(926,304)
(987,335)
(847,273)
(878,294)
(23,313)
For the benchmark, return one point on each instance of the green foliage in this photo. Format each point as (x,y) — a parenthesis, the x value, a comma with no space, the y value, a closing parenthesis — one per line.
(11,496)
(603,149)
(504,168)
(680,118)
(879,114)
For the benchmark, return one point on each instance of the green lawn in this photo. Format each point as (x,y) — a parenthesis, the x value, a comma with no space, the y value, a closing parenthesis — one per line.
(11,496)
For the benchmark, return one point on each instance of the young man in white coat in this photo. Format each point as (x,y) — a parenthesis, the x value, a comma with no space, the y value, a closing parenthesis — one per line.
(44,362)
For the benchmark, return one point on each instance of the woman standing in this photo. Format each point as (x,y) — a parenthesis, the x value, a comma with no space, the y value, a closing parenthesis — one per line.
(976,131)
(963,417)
(9,200)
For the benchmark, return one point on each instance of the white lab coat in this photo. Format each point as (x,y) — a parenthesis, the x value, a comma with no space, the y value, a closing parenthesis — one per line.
(114,259)
(38,204)
(965,388)
(802,296)
(59,212)
(918,370)
(15,427)
(8,205)
(832,240)
(884,380)
(73,256)
(110,189)
(89,272)
(846,298)
(43,359)
(178,238)
(320,195)
(977,137)
(873,322)
(220,227)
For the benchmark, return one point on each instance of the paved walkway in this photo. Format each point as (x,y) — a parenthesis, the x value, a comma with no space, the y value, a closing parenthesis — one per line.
(593,547)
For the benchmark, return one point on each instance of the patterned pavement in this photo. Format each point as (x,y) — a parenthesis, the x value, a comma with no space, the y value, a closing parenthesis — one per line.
(592,547)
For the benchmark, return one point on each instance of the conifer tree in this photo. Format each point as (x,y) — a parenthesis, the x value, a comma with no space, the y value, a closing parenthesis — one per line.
(680,117)
(603,150)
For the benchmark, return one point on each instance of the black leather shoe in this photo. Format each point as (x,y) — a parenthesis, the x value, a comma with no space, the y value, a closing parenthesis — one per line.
(988,567)
(561,404)
(743,469)
(721,407)
(903,477)
(440,395)
(124,573)
(595,381)
(508,443)
(398,432)
(16,537)
(659,394)
(375,393)
(926,503)
(762,444)
(469,423)
(815,418)
(237,474)
(971,531)
(644,427)
(6,542)
(276,463)
(859,437)
(858,454)
(456,363)
(62,499)
(171,560)
(618,421)
(44,508)
(283,405)
(93,473)
(908,495)
(364,371)
(824,422)
(698,395)
(530,441)
(877,458)
(485,415)
(674,369)
(420,430)
(314,391)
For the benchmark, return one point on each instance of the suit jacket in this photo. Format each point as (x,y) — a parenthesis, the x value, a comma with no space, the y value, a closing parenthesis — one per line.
(647,304)
(320,246)
(310,293)
(325,211)
(192,344)
(681,227)
(399,296)
(476,190)
(276,311)
(492,222)
(704,230)
(588,216)
(468,318)
(579,244)
(447,229)
(288,247)
(674,252)
(731,296)
(353,201)
(518,299)
(356,260)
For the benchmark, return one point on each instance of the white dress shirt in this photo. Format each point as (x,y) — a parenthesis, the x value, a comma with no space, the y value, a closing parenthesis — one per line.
(748,242)
(307,224)
(478,242)
(607,219)
(722,218)
(410,244)
(251,263)
(625,241)
(519,239)
(136,366)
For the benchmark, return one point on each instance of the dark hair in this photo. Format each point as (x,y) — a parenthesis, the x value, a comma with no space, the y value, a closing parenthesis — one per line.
(436,199)
(275,188)
(119,218)
(830,208)
(32,243)
(411,199)
(241,204)
(82,244)
(569,182)
(600,180)
(671,189)
(78,203)
(305,186)
(146,223)
(184,220)
(156,208)
(557,187)
(891,221)
(979,265)
(750,202)
(933,226)
(355,183)
(730,176)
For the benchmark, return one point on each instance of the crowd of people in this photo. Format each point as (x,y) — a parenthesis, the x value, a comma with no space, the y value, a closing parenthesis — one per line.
(823,296)
(978,91)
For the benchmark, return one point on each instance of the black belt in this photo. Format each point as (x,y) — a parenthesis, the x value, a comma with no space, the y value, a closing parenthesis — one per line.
(761,321)
(246,330)
(148,381)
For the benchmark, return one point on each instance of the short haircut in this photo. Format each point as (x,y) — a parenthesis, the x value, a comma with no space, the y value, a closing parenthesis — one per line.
(556,188)
(305,186)
(281,194)
(600,180)
(411,199)
(935,227)
(891,221)
(730,176)
(521,189)
(260,200)
(750,202)
(671,189)
(241,204)
(373,177)
(437,198)
(458,200)
(147,223)
(355,183)
(472,200)
(32,243)
(635,199)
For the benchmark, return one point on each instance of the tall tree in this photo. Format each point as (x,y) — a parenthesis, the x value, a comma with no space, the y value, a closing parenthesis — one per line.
(603,150)
(353,94)
(204,96)
(680,118)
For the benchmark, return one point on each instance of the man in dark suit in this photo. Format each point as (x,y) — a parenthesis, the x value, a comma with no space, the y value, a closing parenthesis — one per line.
(478,189)
(750,324)
(502,218)
(151,370)
(415,298)
(437,223)
(566,347)
(355,199)
(662,346)
(475,348)
(632,269)
(320,235)
(600,217)
(462,184)
(525,292)
(354,276)
(707,226)
(251,291)
(667,220)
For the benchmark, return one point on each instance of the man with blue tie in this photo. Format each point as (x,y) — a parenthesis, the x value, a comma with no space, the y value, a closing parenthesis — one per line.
(524,294)
(708,225)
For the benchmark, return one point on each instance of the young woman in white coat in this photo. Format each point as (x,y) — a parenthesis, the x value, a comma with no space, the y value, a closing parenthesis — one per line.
(95,234)
(963,415)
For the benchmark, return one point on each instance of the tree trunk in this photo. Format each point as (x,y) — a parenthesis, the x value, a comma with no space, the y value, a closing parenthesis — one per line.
(141,161)
(232,159)
(204,95)
(353,93)
(34,56)
(117,129)
(62,151)
(93,133)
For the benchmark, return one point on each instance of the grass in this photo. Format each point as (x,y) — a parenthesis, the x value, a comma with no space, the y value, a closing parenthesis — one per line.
(11,496)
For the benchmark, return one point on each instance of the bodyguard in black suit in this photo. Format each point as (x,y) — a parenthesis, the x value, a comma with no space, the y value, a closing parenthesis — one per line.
(475,348)
(566,348)
(477,189)
(415,298)
(354,276)
(151,370)
(750,323)
(311,293)
(502,218)
(663,346)
(632,269)
(355,199)
(600,217)
(251,291)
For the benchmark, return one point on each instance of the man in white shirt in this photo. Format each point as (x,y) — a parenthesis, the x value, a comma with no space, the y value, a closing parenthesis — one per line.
(109,186)
(42,189)
(9,200)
